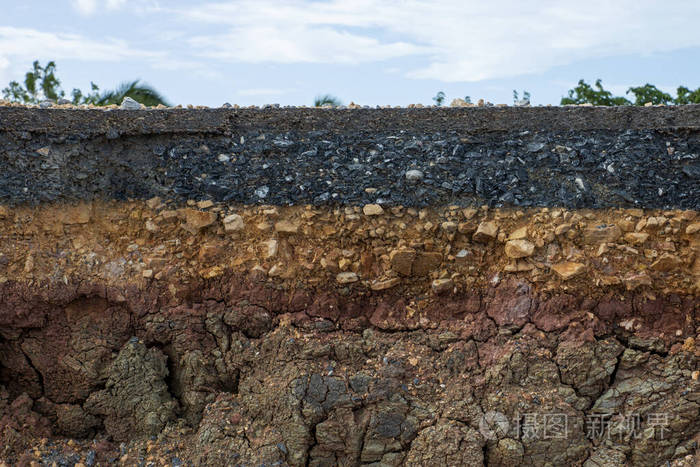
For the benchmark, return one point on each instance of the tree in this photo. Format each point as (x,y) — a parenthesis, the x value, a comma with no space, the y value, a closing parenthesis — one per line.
(525,100)
(141,93)
(585,94)
(42,84)
(649,94)
(326,99)
(686,96)
(439,98)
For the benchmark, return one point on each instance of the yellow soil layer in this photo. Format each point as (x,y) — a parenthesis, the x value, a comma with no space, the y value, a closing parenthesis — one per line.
(440,250)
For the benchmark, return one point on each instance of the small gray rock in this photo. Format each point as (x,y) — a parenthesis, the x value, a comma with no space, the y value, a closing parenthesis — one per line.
(129,104)
(414,175)
(226,105)
(262,191)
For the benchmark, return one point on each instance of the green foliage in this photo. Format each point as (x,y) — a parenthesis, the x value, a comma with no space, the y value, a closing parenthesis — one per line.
(326,99)
(586,94)
(686,96)
(649,93)
(439,98)
(468,99)
(42,84)
(79,98)
(141,93)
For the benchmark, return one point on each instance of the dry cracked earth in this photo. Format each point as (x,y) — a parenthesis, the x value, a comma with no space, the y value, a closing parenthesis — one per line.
(168,332)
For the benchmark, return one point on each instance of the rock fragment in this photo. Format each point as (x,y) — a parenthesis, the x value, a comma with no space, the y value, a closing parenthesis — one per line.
(666,263)
(485,232)
(402,261)
(233,223)
(519,248)
(441,286)
(346,277)
(196,220)
(286,227)
(129,104)
(385,284)
(601,233)
(372,210)
(633,281)
(414,175)
(636,238)
(568,269)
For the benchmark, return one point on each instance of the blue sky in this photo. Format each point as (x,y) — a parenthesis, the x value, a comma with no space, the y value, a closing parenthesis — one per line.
(372,52)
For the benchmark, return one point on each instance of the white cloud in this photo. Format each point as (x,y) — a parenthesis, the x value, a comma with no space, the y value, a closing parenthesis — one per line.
(19,45)
(322,45)
(89,7)
(25,42)
(456,40)
(85,7)
(115,4)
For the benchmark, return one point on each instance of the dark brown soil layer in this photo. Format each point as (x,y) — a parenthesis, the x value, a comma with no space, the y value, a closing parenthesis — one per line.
(252,374)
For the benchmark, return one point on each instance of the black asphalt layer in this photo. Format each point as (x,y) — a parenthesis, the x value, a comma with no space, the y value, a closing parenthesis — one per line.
(573,156)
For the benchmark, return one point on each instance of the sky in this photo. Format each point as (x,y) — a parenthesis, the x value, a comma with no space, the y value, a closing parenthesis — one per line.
(371,52)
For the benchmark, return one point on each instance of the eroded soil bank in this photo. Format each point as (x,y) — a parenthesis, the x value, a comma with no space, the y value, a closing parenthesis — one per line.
(217,334)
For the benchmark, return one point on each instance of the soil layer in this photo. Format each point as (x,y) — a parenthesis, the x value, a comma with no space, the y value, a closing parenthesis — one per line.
(221,334)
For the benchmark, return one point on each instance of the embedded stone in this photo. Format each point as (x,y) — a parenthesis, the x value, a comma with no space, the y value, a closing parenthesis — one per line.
(568,269)
(385,284)
(233,223)
(601,233)
(519,248)
(466,227)
(196,220)
(666,263)
(441,286)
(485,232)
(633,281)
(449,226)
(518,234)
(402,260)
(346,277)
(561,229)
(205,204)
(286,227)
(372,210)
(270,248)
(636,238)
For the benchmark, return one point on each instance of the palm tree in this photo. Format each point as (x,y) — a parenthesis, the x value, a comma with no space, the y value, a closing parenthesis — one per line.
(439,98)
(141,93)
(326,99)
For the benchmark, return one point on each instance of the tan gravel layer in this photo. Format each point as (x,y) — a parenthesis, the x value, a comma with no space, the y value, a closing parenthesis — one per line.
(439,251)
